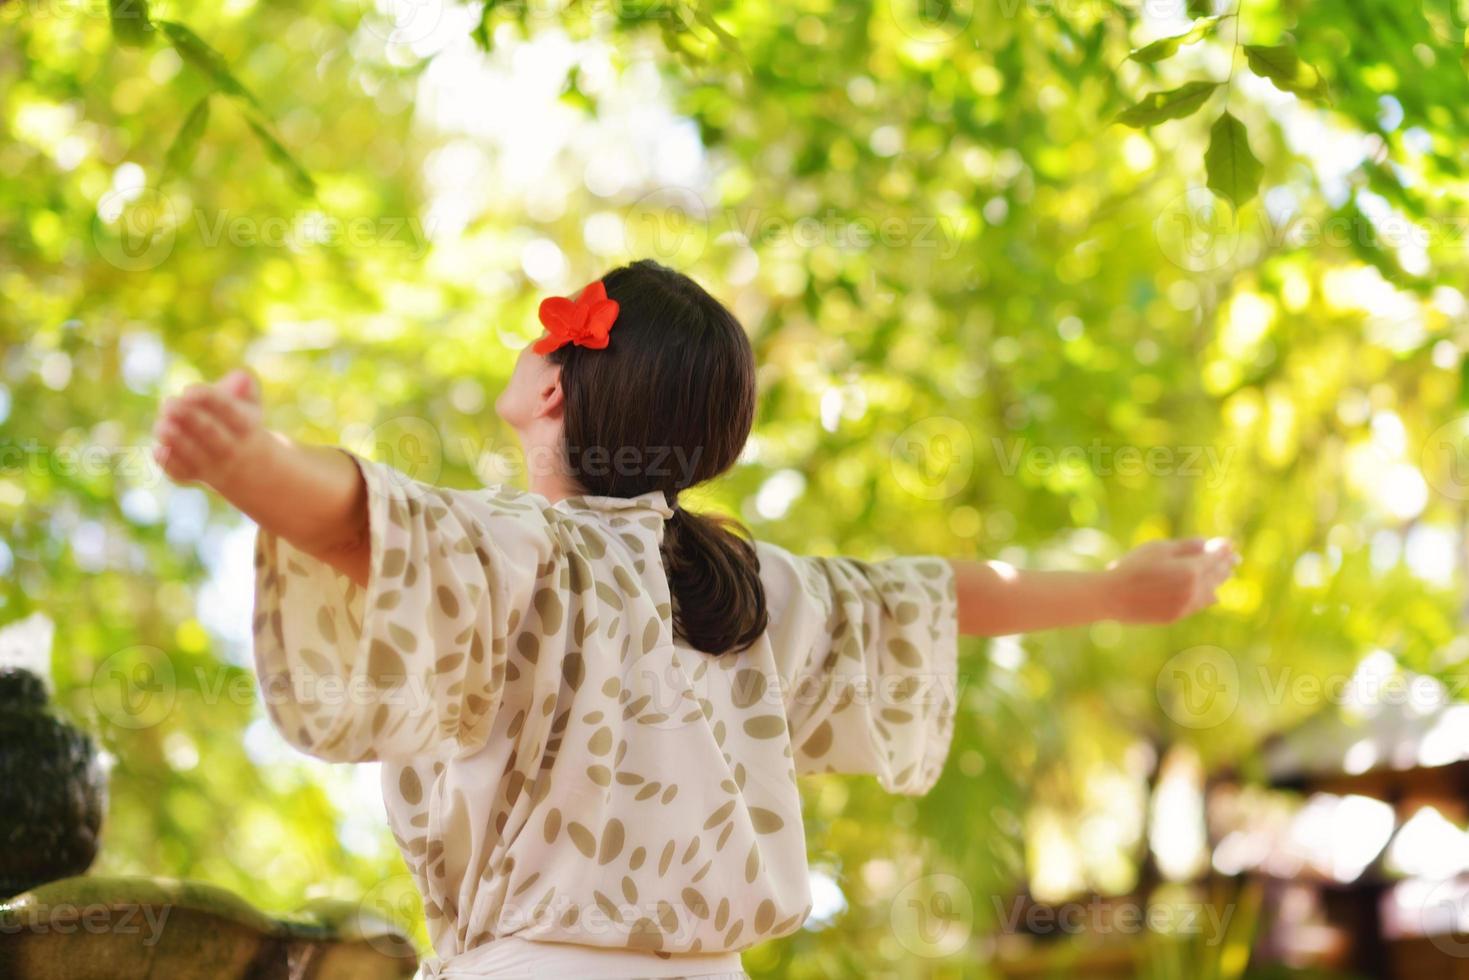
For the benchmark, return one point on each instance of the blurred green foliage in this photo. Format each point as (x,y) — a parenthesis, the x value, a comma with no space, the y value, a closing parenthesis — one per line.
(990,321)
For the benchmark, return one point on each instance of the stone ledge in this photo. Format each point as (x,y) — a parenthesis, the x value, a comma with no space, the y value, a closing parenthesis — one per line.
(135,928)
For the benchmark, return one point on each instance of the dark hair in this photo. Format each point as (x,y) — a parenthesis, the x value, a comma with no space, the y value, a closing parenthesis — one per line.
(666,405)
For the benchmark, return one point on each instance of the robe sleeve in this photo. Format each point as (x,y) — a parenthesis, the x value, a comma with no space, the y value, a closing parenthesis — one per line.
(415,663)
(867,656)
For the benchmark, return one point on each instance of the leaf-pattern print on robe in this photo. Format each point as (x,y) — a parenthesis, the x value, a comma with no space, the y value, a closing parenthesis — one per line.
(867,657)
(416,662)
(556,765)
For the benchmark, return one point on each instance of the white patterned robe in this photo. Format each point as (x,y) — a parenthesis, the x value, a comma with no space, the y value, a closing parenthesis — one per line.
(556,765)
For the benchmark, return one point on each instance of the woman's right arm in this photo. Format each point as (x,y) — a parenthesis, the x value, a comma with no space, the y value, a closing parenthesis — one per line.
(312,496)
(1157,583)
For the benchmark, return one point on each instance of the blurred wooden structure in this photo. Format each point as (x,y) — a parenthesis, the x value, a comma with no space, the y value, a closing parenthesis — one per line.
(1355,841)
(1359,837)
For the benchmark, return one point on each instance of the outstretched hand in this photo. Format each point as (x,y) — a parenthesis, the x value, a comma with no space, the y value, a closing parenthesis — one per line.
(1164,581)
(313,496)
(206,433)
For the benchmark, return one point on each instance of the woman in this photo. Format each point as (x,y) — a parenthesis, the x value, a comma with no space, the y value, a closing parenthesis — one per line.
(592,704)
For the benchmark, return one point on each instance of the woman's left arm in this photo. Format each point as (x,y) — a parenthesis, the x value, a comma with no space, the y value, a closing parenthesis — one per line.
(313,496)
(1159,582)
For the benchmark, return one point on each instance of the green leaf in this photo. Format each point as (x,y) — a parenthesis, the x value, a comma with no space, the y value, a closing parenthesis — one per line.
(300,179)
(1366,241)
(193,50)
(130,23)
(725,38)
(631,12)
(1286,71)
(483,33)
(1167,47)
(1233,169)
(1200,8)
(186,143)
(1156,107)
(573,95)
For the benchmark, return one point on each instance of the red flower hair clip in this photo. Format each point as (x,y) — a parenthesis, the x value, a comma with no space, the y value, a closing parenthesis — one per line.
(585,322)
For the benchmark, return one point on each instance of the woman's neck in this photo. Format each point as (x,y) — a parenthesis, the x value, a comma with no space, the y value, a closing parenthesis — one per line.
(554,487)
(545,461)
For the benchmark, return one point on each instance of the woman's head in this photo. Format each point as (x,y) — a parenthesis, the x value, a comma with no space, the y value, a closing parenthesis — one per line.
(666,405)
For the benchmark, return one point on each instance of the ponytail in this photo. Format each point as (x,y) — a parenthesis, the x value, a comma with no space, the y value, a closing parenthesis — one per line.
(676,381)
(714,579)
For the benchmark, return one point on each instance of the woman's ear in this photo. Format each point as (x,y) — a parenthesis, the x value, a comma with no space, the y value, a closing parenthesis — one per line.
(550,401)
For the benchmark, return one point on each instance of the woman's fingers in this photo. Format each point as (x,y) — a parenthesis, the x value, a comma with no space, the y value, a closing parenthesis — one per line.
(1216,568)
(1187,547)
(202,427)
(224,409)
(1222,548)
(183,456)
(241,384)
(169,462)
(206,428)
(177,438)
(172,463)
